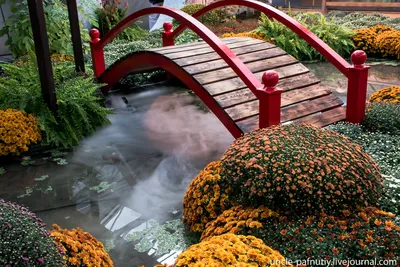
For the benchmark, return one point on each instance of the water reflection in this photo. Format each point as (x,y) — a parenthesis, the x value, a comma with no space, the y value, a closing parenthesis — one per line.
(130,172)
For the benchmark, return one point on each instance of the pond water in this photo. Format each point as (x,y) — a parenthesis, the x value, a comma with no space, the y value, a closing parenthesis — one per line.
(138,168)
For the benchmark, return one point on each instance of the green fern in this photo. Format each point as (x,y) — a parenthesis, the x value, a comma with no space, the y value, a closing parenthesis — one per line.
(80,107)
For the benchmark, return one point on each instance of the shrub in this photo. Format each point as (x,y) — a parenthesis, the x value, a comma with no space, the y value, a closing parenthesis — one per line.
(212,17)
(205,198)
(300,169)
(19,31)
(254,35)
(80,108)
(55,59)
(230,250)
(383,117)
(234,219)
(23,239)
(110,14)
(355,20)
(365,38)
(388,43)
(336,36)
(81,248)
(364,234)
(383,148)
(17,132)
(389,94)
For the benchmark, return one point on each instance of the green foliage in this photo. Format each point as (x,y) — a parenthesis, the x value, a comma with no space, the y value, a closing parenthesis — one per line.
(167,237)
(24,240)
(80,107)
(120,48)
(357,20)
(300,169)
(110,14)
(336,36)
(383,117)
(212,17)
(18,29)
(385,150)
(2,171)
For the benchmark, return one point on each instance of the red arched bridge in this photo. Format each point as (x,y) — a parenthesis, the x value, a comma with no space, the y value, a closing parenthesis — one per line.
(226,74)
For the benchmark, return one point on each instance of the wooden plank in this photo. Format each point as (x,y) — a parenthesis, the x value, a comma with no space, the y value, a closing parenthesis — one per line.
(182,47)
(213,56)
(289,97)
(207,50)
(325,118)
(362,4)
(76,35)
(298,81)
(257,66)
(36,14)
(246,58)
(297,111)
(248,109)
(236,83)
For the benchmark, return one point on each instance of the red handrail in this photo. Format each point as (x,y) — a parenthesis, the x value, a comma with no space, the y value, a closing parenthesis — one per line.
(327,52)
(208,36)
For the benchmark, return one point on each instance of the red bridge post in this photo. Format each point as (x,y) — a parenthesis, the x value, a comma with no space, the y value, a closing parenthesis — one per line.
(97,51)
(357,87)
(167,35)
(269,100)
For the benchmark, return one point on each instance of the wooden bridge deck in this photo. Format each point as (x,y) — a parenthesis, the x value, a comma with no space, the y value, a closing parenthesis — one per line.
(304,100)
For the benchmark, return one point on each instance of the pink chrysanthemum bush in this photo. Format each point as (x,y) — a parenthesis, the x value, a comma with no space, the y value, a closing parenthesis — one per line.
(24,241)
(300,169)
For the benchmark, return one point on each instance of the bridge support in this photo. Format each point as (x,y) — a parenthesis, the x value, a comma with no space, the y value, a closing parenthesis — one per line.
(269,100)
(99,65)
(357,87)
(167,35)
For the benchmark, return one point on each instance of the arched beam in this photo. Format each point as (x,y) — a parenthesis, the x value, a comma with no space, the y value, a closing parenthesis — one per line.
(135,60)
(326,51)
(208,36)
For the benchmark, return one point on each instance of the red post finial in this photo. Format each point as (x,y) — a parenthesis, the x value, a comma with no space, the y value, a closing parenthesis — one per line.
(358,58)
(168,40)
(269,100)
(270,79)
(94,35)
(167,26)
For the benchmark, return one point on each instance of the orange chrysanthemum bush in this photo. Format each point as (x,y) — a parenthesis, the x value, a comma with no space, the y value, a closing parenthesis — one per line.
(205,198)
(366,234)
(365,38)
(389,94)
(235,219)
(17,132)
(388,43)
(300,169)
(230,250)
(81,248)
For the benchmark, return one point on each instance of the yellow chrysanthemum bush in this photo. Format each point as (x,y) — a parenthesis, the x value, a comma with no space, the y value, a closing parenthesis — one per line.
(255,35)
(389,94)
(235,219)
(388,43)
(366,233)
(81,248)
(300,169)
(18,131)
(366,38)
(230,250)
(205,198)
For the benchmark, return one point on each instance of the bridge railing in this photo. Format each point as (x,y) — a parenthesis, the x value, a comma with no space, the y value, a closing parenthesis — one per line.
(356,73)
